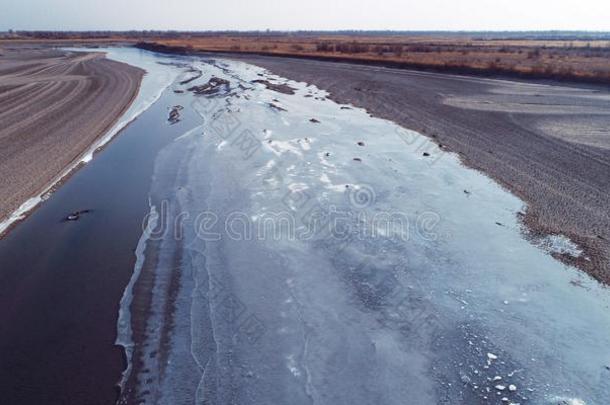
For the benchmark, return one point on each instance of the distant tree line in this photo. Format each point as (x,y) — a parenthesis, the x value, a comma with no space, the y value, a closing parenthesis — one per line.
(475,35)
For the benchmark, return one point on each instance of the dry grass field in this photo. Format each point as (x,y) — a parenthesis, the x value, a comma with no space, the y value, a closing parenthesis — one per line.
(559,59)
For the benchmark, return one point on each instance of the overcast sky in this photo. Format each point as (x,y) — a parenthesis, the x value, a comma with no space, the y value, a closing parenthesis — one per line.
(305,14)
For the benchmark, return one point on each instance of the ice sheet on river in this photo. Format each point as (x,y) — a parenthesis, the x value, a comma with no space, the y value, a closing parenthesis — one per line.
(308,253)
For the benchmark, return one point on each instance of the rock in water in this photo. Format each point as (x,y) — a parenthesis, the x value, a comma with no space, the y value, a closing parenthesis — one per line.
(174,114)
(213,86)
(75,216)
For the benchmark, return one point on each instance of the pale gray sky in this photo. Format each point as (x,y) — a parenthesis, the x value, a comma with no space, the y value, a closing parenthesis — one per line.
(305,14)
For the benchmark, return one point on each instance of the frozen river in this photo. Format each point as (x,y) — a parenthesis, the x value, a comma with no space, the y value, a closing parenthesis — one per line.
(301,251)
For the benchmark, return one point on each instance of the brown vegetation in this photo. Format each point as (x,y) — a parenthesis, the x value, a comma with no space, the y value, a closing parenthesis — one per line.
(558,59)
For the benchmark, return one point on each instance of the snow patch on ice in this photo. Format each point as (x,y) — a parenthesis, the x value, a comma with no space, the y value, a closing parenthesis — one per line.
(559,244)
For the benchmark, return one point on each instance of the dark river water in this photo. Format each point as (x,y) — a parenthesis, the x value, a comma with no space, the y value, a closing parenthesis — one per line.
(61,282)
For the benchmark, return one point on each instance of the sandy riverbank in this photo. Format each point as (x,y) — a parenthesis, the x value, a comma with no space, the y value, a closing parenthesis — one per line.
(53,106)
(548,144)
